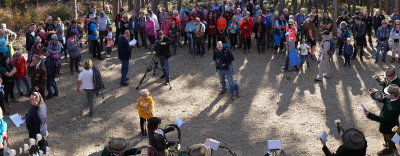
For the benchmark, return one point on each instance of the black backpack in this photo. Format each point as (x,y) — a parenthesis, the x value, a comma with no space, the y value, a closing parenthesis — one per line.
(97,81)
(88,28)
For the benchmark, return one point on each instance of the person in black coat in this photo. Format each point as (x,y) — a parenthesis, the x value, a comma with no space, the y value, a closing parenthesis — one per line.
(30,37)
(124,54)
(354,144)
(156,135)
(36,119)
(377,20)
(367,19)
(359,29)
(164,53)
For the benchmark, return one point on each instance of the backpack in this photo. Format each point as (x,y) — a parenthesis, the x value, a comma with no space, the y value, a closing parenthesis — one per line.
(89,32)
(267,22)
(97,81)
(332,48)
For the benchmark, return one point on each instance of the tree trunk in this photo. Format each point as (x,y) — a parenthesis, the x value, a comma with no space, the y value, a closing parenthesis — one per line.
(380,3)
(154,6)
(281,5)
(397,4)
(325,5)
(115,7)
(165,5)
(74,10)
(137,7)
(335,14)
(179,5)
(316,5)
(130,5)
(294,4)
(353,9)
(261,3)
(387,7)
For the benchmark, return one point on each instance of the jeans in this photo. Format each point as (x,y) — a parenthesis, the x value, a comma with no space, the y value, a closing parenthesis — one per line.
(165,67)
(102,34)
(51,85)
(233,86)
(212,38)
(200,46)
(347,59)
(191,45)
(90,94)
(260,44)
(304,58)
(124,70)
(143,126)
(380,47)
(63,48)
(27,84)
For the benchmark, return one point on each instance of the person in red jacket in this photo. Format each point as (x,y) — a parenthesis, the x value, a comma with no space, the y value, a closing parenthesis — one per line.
(211,31)
(245,30)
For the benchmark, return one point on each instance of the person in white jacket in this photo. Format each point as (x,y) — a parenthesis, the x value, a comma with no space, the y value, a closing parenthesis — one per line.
(395,38)
(103,20)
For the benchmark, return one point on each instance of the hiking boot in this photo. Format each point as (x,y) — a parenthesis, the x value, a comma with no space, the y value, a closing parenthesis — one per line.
(393,60)
(383,60)
(124,84)
(221,92)
(385,152)
(100,58)
(317,80)
(162,76)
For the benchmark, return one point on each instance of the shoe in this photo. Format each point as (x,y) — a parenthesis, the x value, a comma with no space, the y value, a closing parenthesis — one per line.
(361,59)
(71,72)
(56,95)
(376,61)
(21,94)
(100,58)
(126,79)
(383,60)
(237,94)
(124,84)
(108,56)
(345,65)
(284,68)
(48,97)
(162,76)
(327,77)
(385,152)
(221,92)
(166,83)
(317,80)
(308,65)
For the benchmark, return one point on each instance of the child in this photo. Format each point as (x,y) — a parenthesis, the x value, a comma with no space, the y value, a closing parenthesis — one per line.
(144,106)
(347,52)
(110,42)
(304,48)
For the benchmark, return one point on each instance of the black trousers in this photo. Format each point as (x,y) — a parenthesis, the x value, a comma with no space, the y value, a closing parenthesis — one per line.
(340,45)
(74,62)
(102,35)
(95,48)
(233,39)
(246,43)
(200,46)
(212,38)
(8,90)
(143,37)
(2,102)
(368,32)
(347,59)
(143,126)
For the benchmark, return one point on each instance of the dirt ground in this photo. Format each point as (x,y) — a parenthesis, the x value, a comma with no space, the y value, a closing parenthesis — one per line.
(287,106)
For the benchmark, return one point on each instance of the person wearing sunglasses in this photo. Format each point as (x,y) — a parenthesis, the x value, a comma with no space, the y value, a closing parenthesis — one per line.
(395,38)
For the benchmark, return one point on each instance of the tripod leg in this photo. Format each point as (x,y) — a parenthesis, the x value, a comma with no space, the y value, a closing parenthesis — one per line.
(140,83)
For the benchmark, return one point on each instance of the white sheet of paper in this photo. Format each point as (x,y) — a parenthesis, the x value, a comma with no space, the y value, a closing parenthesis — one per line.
(133,42)
(396,138)
(17,119)
(365,109)
(211,143)
(323,136)
(179,122)
(274,144)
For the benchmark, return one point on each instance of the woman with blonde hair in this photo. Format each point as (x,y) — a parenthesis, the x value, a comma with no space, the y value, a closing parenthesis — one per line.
(144,105)
(85,82)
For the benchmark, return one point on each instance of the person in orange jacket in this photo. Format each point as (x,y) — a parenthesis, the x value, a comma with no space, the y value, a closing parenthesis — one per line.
(144,105)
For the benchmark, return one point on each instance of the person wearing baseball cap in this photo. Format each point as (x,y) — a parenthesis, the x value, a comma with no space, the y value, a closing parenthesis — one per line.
(388,117)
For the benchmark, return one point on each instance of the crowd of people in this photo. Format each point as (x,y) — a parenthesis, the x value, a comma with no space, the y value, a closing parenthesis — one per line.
(222,28)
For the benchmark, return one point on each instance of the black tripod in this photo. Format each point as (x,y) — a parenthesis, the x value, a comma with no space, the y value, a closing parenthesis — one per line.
(153,66)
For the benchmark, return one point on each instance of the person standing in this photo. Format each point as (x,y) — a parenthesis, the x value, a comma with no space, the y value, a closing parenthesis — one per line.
(259,31)
(49,28)
(104,22)
(50,62)
(326,23)
(323,58)
(36,120)
(163,51)
(94,36)
(154,19)
(367,19)
(74,50)
(30,37)
(388,117)
(342,18)
(151,30)
(211,31)
(359,29)
(233,31)
(189,29)
(3,132)
(174,36)
(342,34)
(279,33)
(38,74)
(347,52)
(117,20)
(246,26)
(354,144)
(144,105)
(199,31)
(223,59)
(7,71)
(142,30)
(157,136)
(221,27)
(85,83)
(21,65)
(395,38)
(377,20)
(124,54)
(382,37)
(310,32)
(60,36)
(291,45)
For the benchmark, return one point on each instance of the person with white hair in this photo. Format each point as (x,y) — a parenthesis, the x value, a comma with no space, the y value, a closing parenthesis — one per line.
(49,28)
(223,59)
(144,105)
(9,35)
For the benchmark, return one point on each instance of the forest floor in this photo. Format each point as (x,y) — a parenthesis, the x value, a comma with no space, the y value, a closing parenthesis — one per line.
(287,106)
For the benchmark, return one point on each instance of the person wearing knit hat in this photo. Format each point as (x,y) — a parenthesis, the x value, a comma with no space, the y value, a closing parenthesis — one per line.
(157,135)
(388,117)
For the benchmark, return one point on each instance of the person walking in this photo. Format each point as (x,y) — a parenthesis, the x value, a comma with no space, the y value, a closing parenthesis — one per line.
(388,117)
(36,120)
(21,65)
(124,54)
(323,58)
(223,59)
(85,83)
(144,105)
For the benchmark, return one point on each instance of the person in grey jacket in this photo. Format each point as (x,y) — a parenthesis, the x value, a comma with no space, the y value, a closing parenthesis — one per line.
(54,46)
(102,20)
(74,50)
(323,58)
(60,35)
(395,39)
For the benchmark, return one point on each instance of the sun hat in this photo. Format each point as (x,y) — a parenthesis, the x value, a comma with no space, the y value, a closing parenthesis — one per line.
(353,138)
(118,145)
(199,150)
(392,89)
(390,72)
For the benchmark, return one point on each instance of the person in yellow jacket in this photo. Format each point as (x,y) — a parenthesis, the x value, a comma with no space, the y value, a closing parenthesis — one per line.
(144,105)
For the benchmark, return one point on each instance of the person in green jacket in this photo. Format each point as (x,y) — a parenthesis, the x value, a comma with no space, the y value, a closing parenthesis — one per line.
(388,118)
(119,147)
(390,77)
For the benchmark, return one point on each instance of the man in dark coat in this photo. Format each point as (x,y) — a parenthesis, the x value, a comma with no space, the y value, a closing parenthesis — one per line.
(30,37)
(388,118)
(124,54)
(354,144)
(390,77)
(38,74)
(164,53)
(359,30)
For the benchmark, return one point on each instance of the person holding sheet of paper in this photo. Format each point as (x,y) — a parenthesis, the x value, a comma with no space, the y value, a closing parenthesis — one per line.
(144,105)
(157,138)
(388,117)
(124,54)
(354,144)
(3,131)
